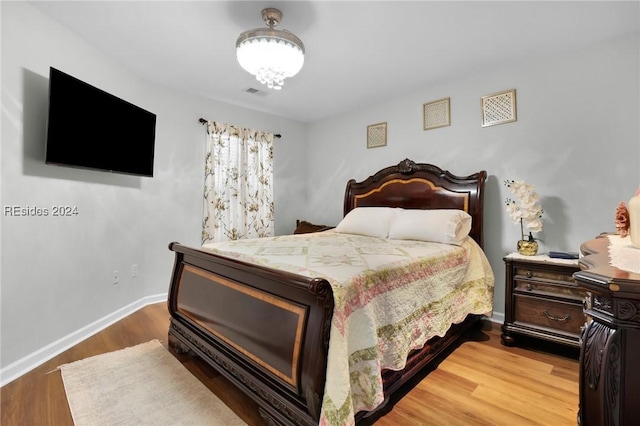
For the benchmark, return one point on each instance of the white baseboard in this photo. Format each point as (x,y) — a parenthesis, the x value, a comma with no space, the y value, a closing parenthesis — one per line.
(33,360)
(498,317)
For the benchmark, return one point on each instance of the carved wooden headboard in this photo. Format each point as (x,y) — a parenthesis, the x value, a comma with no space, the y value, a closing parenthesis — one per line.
(421,186)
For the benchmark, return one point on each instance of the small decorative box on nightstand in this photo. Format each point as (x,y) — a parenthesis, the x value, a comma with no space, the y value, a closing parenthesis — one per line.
(542,300)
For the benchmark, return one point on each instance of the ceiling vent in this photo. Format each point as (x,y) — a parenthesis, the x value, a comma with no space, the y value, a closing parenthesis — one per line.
(257,92)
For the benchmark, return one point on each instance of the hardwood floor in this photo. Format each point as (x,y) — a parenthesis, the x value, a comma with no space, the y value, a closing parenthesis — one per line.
(480,383)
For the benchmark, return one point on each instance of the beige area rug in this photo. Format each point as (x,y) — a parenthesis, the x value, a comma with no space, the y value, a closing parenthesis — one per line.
(140,385)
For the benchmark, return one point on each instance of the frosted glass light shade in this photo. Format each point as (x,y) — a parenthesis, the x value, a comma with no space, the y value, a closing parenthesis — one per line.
(270,55)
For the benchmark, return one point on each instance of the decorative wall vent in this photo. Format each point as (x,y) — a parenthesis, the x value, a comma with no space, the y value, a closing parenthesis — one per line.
(377,135)
(499,108)
(437,114)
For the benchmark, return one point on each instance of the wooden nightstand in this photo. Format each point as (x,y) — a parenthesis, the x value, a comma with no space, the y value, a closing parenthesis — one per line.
(542,300)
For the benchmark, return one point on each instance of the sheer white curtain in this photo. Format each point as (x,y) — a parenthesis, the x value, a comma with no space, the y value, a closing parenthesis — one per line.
(238,184)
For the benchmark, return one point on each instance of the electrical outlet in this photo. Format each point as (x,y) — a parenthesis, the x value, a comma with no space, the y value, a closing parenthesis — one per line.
(115,277)
(134,270)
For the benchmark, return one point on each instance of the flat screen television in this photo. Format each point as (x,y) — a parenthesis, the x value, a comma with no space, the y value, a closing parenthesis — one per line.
(90,128)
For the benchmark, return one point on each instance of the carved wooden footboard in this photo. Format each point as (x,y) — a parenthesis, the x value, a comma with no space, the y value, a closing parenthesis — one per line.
(218,307)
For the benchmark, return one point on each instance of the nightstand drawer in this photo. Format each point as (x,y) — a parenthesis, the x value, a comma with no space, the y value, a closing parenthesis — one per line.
(551,275)
(565,290)
(558,315)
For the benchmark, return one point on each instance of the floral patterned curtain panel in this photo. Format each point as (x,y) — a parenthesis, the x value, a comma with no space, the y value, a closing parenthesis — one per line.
(238,184)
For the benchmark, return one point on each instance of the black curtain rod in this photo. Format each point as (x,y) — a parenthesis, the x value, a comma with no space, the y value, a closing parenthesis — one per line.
(203,121)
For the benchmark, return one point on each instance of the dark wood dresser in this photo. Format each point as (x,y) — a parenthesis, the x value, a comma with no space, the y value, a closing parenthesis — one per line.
(542,300)
(610,343)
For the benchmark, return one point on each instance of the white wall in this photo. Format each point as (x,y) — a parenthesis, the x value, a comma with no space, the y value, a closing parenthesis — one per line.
(576,139)
(56,272)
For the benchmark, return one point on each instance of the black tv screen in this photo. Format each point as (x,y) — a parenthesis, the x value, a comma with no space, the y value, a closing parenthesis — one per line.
(90,128)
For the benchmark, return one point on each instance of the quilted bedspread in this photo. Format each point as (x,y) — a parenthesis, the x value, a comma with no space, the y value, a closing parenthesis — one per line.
(391,296)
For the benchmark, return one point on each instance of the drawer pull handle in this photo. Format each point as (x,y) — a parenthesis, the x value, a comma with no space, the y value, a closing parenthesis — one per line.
(552,318)
(529,275)
(529,287)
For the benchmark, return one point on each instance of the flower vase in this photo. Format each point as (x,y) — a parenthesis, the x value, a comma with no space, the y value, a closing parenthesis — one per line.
(528,247)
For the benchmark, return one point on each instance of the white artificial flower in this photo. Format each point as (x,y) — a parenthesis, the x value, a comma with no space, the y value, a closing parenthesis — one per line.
(534,225)
(527,209)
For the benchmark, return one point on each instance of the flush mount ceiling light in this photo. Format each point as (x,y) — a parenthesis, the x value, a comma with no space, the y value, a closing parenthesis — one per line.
(269,54)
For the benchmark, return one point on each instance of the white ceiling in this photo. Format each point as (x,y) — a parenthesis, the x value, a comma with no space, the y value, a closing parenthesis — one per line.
(358,52)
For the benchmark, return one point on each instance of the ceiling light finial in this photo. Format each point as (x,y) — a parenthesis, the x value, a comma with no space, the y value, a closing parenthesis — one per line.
(271,17)
(269,54)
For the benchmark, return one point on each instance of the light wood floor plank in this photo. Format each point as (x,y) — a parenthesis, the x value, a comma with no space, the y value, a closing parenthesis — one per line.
(467,409)
(525,403)
(539,382)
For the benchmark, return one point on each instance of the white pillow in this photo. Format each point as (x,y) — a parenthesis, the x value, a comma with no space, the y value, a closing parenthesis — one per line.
(372,221)
(441,225)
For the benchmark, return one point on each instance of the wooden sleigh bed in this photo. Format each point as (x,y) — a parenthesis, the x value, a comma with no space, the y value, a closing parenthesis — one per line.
(268,330)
